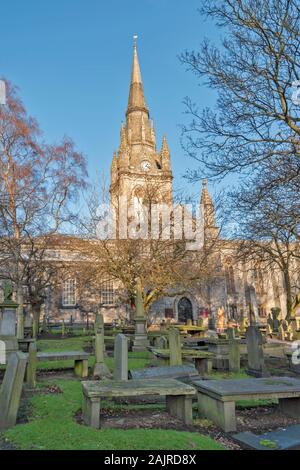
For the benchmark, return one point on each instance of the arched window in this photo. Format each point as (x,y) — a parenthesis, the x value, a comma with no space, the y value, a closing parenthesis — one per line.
(185,310)
(230,284)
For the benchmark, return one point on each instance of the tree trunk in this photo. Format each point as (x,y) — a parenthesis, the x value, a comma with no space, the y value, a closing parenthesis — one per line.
(20,312)
(289,296)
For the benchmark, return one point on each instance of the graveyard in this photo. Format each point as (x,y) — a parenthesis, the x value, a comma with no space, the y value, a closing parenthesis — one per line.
(150,270)
(209,390)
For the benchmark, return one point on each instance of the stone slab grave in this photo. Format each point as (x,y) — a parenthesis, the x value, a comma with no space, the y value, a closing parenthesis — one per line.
(11,389)
(80,358)
(178,395)
(256,361)
(201,359)
(216,398)
(281,439)
(186,371)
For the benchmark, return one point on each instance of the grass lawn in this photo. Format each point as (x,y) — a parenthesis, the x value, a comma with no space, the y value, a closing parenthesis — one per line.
(136,360)
(52,427)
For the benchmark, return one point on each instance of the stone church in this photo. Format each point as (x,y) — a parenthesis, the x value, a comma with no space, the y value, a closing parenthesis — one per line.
(236,289)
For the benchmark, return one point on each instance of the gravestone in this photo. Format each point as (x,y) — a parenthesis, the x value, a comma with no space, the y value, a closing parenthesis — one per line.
(11,389)
(234,351)
(31,365)
(8,321)
(121,358)
(256,361)
(100,368)
(175,347)
(140,342)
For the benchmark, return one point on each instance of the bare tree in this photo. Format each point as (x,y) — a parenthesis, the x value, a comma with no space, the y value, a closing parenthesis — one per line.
(255,73)
(162,264)
(268,228)
(37,184)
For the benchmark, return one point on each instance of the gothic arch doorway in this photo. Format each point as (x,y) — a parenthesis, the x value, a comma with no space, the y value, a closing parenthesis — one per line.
(185,310)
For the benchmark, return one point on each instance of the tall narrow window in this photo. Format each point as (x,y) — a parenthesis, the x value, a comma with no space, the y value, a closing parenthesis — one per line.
(107,293)
(69,293)
(230,280)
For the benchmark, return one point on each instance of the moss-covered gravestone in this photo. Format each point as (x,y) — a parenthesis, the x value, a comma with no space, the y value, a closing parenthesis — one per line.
(11,389)
(256,361)
(175,347)
(140,342)
(8,317)
(233,350)
(31,366)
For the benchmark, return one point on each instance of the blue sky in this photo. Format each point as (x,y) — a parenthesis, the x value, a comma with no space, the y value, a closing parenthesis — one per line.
(72,59)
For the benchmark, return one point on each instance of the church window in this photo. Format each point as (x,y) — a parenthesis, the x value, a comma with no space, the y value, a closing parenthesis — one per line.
(230,280)
(107,293)
(69,293)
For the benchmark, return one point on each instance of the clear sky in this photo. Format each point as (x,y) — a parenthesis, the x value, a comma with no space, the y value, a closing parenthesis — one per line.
(72,59)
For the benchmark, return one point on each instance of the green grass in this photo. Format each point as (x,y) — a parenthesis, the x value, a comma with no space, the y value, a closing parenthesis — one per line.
(255,403)
(136,360)
(218,375)
(52,427)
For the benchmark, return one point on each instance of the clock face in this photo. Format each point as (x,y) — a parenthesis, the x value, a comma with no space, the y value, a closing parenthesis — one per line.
(145,165)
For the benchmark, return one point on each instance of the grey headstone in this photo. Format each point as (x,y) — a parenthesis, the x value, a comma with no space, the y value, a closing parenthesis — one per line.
(256,361)
(121,358)
(8,322)
(11,389)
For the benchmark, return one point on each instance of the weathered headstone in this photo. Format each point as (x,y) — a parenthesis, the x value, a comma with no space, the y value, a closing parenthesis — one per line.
(121,358)
(140,342)
(175,347)
(256,361)
(8,317)
(234,351)
(100,368)
(31,365)
(11,389)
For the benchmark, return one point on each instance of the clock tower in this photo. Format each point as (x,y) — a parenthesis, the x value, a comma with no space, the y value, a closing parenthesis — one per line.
(138,169)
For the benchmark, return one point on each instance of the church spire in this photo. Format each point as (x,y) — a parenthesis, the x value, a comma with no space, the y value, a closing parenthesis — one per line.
(208,206)
(165,155)
(136,100)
